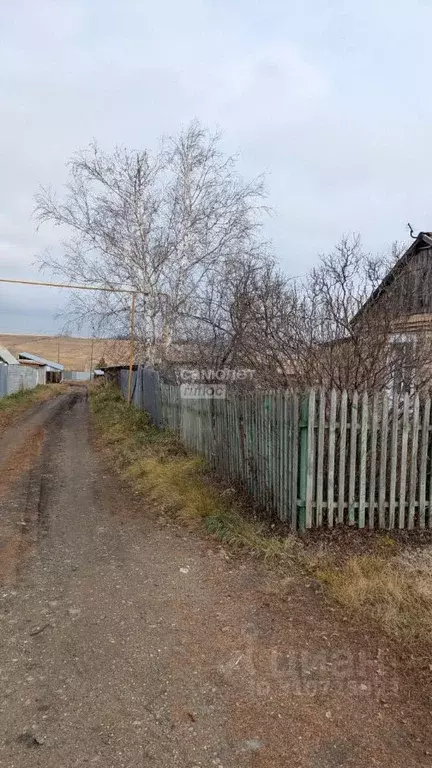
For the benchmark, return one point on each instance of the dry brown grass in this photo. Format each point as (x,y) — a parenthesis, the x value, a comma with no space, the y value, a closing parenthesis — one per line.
(382,588)
(178,482)
(72,352)
(383,585)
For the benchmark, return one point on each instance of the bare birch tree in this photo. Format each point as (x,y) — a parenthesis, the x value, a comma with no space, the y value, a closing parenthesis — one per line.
(166,223)
(184,229)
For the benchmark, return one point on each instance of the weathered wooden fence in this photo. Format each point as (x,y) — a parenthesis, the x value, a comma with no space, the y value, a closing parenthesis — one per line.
(249,438)
(317,459)
(146,393)
(368,460)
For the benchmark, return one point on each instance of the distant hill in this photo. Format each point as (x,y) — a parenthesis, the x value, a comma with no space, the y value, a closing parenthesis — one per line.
(74,353)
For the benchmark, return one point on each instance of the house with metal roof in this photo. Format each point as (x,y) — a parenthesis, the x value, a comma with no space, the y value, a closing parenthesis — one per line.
(7,358)
(15,375)
(52,372)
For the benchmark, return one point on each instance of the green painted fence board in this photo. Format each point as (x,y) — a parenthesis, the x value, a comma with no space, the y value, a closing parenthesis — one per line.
(317,464)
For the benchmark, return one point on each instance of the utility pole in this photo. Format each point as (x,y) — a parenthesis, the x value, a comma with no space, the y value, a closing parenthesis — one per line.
(132,346)
(131,291)
(91,357)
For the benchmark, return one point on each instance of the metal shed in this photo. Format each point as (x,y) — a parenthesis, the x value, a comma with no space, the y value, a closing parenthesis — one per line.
(7,357)
(53,372)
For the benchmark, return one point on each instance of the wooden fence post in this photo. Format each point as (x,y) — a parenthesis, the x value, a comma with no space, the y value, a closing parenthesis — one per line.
(303,459)
(293,458)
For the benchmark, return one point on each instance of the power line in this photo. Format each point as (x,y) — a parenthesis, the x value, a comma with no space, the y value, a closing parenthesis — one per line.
(71,285)
(131,291)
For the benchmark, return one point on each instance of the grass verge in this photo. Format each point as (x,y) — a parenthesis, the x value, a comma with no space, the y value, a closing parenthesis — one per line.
(13,405)
(381,583)
(178,482)
(385,587)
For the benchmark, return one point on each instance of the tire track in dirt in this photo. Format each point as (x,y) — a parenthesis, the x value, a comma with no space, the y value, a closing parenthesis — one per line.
(131,643)
(24,453)
(15,482)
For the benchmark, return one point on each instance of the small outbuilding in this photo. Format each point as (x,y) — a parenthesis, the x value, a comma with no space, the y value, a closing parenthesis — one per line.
(50,372)
(7,357)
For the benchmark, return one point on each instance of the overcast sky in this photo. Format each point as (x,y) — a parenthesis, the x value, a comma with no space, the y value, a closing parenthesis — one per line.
(330,99)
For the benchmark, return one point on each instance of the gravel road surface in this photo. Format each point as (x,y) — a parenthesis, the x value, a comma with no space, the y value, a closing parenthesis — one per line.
(127,641)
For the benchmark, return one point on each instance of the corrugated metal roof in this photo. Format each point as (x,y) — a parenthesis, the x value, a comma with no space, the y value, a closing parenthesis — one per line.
(7,357)
(41,360)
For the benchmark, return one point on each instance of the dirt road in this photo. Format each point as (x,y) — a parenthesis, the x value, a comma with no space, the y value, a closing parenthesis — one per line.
(128,642)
